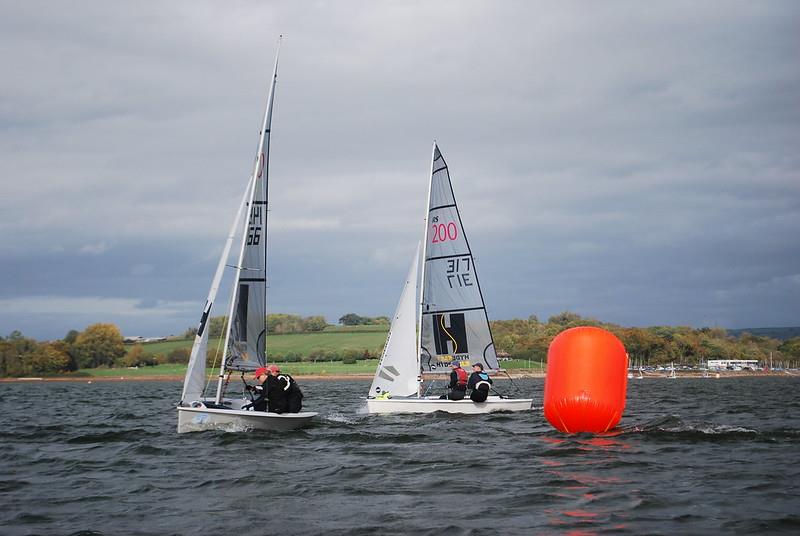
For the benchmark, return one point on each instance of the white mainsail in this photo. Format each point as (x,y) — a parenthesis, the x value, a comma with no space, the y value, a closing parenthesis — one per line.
(398,370)
(194,382)
(454,324)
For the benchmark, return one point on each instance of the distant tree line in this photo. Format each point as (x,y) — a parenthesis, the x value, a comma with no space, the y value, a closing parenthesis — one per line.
(101,345)
(98,345)
(277,323)
(352,319)
(658,345)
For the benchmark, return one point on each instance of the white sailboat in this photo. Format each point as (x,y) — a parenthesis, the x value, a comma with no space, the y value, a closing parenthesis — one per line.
(245,335)
(448,322)
(672,374)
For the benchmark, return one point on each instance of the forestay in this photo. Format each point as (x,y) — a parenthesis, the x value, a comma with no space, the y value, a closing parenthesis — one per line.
(454,323)
(398,370)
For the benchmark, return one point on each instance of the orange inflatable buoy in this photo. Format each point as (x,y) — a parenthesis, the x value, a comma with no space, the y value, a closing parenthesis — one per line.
(586,382)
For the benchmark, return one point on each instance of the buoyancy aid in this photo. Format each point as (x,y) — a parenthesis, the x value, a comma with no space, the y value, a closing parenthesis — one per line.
(462,377)
(287,380)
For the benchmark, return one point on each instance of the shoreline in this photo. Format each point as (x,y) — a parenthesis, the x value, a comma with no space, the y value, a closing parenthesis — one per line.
(366,377)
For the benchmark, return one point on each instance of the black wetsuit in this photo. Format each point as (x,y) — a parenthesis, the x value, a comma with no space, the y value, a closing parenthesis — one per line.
(271,396)
(291,392)
(480,383)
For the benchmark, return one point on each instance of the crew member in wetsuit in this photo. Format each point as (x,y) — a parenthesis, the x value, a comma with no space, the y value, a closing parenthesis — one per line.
(458,382)
(261,376)
(480,383)
(292,394)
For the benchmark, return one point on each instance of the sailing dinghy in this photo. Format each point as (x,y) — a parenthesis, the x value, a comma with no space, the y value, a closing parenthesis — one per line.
(448,322)
(245,336)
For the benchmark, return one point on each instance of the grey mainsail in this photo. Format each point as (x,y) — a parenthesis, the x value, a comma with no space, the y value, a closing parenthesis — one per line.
(454,323)
(246,337)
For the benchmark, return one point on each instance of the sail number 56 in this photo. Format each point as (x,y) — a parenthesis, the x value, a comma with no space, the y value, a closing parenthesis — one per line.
(444,232)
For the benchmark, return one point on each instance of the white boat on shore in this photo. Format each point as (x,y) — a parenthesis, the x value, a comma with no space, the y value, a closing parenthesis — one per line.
(447,322)
(246,334)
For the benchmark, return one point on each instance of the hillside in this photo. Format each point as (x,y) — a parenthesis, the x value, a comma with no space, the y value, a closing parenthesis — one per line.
(782,334)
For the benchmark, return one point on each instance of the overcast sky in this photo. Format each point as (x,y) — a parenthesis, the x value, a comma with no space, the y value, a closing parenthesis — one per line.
(635,162)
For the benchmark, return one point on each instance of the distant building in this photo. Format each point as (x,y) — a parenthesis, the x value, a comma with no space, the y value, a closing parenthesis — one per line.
(733,364)
(503,356)
(137,339)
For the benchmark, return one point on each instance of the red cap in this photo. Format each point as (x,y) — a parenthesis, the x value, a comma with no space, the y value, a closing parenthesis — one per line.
(260,371)
(273,368)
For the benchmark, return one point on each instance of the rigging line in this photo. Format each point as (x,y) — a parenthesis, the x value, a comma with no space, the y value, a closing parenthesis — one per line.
(516,388)
(216,355)
(455,344)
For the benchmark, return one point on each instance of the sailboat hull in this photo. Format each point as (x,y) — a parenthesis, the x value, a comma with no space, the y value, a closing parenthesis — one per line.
(431,405)
(235,420)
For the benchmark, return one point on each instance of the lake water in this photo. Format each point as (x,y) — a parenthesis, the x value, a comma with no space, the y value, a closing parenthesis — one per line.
(694,456)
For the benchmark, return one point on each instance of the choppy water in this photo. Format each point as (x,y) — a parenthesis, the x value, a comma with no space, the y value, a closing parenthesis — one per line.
(692,456)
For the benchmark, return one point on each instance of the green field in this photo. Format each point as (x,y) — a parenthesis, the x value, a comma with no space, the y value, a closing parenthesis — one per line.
(320,368)
(383,328)
(295,369)
(302,343)
(333,338)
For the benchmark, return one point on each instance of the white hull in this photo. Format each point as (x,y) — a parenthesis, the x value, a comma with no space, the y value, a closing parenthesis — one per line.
(430,405)
(195,419)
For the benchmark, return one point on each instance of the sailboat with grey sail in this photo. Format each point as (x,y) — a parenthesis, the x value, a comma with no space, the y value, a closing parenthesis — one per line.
(440,318)
(245,336)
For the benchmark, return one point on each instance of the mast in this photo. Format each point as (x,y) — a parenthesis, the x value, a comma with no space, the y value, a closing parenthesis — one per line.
(260,167)
(422,275)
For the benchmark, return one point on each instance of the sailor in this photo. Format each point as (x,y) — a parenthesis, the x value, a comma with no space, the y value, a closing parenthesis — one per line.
(292,394)
(260,403)
(458,382)
(480,383)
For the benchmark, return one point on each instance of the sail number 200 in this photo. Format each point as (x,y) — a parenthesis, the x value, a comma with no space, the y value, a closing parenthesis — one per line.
(443,232)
